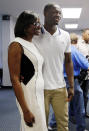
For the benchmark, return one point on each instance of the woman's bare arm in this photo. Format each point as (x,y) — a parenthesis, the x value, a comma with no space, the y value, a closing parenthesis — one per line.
(14,62)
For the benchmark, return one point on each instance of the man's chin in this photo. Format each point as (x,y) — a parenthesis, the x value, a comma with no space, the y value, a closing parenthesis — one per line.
(56,23)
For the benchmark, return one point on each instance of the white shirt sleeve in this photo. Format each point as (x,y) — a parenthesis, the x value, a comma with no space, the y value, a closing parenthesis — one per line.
(68,43)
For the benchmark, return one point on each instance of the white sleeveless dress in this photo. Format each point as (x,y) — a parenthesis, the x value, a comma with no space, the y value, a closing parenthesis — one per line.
(34,89)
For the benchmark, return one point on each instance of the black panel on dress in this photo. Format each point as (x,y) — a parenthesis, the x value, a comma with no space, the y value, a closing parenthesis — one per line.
(27,69)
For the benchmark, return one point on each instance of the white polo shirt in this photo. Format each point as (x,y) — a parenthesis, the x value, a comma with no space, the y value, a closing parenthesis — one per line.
(52,48)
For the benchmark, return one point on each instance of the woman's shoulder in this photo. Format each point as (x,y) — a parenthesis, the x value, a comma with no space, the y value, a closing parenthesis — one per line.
(15,47)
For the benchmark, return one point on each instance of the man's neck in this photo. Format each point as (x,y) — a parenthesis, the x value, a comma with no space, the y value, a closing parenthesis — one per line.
(50,28)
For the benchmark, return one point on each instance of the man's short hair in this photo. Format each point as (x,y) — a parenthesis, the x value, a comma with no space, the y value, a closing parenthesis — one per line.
(48,7)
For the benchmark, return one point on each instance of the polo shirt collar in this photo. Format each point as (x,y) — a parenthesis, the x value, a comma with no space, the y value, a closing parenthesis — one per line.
(44,31)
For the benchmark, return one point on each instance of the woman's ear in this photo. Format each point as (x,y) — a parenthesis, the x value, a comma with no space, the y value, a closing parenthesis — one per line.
(25,31)
(45,14)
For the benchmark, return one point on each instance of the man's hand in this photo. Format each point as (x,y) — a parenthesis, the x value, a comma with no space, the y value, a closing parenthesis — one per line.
(21,78)
(70,94)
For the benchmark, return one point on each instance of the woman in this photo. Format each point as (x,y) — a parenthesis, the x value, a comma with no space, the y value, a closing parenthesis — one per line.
(25,60)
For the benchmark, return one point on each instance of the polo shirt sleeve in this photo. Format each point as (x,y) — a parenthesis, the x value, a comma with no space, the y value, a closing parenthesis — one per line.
(68,43)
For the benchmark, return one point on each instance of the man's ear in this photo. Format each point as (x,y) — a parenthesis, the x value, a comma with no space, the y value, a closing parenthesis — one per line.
(45,14)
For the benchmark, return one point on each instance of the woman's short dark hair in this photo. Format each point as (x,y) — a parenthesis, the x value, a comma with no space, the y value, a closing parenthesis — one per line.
(25,19)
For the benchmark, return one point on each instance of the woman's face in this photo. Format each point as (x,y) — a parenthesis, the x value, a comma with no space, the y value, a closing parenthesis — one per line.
(34,29)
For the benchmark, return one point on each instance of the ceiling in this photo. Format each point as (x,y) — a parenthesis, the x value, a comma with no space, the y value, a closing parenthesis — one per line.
(15,7)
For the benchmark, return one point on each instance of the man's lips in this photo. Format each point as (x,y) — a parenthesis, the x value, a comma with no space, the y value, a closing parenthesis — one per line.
(57,19)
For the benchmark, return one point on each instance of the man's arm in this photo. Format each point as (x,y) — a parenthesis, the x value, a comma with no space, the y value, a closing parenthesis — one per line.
(69,71)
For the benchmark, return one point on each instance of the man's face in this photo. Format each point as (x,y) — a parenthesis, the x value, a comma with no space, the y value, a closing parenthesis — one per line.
(86,35)
(53,15)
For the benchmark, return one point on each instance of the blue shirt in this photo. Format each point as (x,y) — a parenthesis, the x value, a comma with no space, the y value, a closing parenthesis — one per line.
(79,61)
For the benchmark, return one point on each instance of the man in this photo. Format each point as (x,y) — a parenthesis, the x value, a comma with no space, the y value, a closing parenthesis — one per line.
(54,45)
(83,47)
(76,106)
